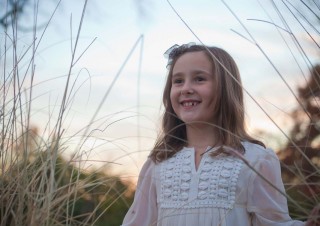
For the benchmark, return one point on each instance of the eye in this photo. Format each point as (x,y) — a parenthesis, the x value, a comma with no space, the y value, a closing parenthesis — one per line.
(200,78)
(177,81)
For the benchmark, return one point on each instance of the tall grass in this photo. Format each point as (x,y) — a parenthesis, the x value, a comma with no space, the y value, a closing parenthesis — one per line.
(39,187)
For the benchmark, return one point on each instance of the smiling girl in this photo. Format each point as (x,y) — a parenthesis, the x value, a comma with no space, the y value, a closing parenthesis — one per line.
(205,169)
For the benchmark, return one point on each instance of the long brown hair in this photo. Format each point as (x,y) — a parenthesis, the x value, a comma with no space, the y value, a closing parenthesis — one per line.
(230,114)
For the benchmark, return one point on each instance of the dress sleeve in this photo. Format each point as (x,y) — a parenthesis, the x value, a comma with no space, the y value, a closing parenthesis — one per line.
(266,204)
(143,211)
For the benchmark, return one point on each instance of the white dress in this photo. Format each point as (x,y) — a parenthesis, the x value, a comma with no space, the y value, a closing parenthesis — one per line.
(223,191)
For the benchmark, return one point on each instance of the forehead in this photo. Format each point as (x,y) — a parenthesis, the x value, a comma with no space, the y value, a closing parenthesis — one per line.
(192,61)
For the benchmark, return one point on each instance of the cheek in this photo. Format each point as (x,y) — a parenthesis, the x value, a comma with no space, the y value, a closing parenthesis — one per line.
(211,97)
(214,101)
(174,96)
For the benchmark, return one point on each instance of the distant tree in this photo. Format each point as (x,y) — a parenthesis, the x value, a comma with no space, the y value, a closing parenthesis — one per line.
(301,169)
(11,10)
(74,197)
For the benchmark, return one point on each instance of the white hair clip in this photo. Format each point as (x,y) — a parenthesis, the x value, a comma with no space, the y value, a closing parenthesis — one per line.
(176,50)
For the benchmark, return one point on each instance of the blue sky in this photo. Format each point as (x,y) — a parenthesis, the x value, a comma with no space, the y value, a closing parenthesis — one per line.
(116,26)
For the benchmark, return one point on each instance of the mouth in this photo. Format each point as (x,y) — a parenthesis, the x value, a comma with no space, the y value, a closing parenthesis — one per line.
(189,103)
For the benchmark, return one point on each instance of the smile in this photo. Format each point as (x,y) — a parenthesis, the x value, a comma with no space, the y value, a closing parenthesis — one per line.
(189,103)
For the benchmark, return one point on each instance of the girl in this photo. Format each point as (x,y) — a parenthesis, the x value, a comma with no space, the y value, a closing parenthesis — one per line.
(205,170)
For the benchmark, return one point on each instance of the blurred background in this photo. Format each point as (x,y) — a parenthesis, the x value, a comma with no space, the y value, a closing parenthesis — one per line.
(88,76)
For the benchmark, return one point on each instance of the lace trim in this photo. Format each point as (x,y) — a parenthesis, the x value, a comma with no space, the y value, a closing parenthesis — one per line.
(213,185)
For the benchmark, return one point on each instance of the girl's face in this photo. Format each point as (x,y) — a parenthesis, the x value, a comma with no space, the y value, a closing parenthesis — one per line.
(193,91)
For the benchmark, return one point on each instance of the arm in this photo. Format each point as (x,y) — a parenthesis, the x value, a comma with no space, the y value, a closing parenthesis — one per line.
(143,211)
(266,204)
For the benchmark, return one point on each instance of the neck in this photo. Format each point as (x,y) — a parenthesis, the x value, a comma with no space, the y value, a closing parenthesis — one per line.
(200,137)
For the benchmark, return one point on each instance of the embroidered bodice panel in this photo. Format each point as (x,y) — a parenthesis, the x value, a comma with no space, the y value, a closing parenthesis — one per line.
(212,185)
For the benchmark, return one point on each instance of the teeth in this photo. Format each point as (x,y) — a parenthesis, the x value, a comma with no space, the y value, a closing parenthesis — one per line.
(188,104)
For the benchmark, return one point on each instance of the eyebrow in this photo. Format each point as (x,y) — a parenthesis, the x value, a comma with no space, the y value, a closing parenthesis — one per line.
(196,71)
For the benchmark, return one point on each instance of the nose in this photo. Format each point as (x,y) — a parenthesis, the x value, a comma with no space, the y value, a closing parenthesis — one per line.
(187,88)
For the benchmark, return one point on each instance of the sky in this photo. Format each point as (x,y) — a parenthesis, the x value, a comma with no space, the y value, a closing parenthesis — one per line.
(126,125)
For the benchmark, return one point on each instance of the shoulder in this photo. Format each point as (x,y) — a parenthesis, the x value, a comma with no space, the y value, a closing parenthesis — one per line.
(147,168)
(149,164)
(256,153)
(146,173)
(262,161)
